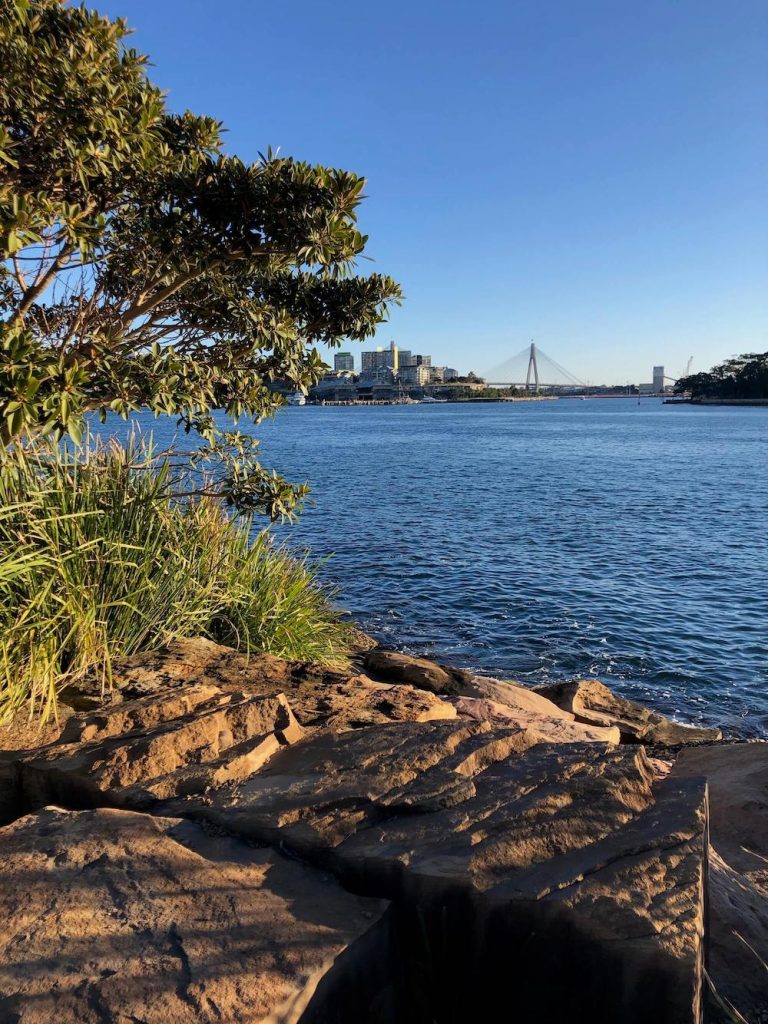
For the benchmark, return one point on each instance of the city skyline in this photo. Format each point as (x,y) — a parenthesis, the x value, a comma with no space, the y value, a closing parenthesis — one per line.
(590,175)
(395,356)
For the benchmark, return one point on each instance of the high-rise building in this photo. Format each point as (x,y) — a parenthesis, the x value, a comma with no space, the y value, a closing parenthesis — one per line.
(658,379)
(405,358)
(423,360)
(449,373)
(381,358)
(343,361)
(393,354)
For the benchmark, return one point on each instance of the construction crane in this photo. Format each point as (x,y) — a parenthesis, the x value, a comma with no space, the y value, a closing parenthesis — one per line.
(688,365)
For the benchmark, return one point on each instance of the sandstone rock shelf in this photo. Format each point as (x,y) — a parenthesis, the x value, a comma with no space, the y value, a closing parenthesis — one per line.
(497,842)
(117,916)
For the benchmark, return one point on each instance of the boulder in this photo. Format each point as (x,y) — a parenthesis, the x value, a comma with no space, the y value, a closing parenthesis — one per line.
(111,916)
(593,703)
(737,776)
(505,704)
(393,666)
(503,854)
(195,738)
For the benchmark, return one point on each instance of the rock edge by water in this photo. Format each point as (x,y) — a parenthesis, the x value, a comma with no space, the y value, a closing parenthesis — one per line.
(494,841)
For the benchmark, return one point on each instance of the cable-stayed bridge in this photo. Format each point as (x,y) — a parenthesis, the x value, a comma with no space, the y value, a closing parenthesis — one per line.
(532,369)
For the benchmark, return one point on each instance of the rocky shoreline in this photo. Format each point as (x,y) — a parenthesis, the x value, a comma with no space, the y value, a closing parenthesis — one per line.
(232,838)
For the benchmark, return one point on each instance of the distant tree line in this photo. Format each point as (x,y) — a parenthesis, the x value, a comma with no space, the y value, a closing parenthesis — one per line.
(744,376)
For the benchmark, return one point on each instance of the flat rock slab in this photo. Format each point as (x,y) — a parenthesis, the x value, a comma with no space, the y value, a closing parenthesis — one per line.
(111,916)
(359,702)
(565,850)
(591,701)
(507,704)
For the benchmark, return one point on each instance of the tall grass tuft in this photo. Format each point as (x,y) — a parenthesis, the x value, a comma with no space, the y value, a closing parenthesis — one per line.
(100,558)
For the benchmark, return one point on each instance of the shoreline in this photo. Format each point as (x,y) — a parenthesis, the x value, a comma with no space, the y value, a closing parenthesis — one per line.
(459,809)
(734,729)
(717,401)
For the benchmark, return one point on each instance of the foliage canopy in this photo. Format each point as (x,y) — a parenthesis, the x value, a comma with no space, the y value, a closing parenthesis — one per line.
(143,267)
(744,376)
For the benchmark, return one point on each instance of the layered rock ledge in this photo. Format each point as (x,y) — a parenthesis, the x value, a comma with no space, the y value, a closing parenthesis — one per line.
(259,840)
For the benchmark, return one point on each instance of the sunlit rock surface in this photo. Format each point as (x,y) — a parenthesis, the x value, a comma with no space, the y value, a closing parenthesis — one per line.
(114,916)
(592,702)
(520,850)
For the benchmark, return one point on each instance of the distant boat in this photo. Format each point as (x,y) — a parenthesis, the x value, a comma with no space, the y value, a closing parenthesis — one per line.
(429,400)
(296,399)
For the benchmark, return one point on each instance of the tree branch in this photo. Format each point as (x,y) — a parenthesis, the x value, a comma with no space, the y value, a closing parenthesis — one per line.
(140,308)
(19,274)
(32,293)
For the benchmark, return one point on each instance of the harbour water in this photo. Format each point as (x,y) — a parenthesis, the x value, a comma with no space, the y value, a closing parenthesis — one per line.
(618,539)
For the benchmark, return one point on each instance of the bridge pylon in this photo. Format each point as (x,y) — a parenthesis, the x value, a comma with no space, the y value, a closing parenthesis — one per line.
(533,371)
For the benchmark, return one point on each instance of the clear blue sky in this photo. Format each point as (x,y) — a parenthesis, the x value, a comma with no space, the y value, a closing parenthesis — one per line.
(589,173)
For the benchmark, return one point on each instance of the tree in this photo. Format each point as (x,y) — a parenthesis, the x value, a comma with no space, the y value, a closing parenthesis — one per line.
(744,376)
(143,267)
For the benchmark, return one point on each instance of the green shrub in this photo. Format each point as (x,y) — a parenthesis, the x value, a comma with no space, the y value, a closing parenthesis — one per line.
(106,551)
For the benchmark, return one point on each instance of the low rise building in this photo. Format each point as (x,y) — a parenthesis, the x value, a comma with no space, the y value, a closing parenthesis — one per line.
(378,374)
(334,387)
(414,375)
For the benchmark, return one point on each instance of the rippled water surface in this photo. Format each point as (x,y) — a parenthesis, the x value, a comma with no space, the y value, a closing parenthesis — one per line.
(609,538)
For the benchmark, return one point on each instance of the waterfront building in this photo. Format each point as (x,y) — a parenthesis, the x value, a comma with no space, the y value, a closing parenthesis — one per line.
(423,360)
(414,375)
(436,374)
(343,361)
(334,387)
(382,374)
(405,358)
(368,362)
(380,358)
(449,373)
(658,379)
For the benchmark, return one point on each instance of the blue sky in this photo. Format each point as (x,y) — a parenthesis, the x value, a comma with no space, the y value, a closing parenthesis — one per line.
(588,173)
